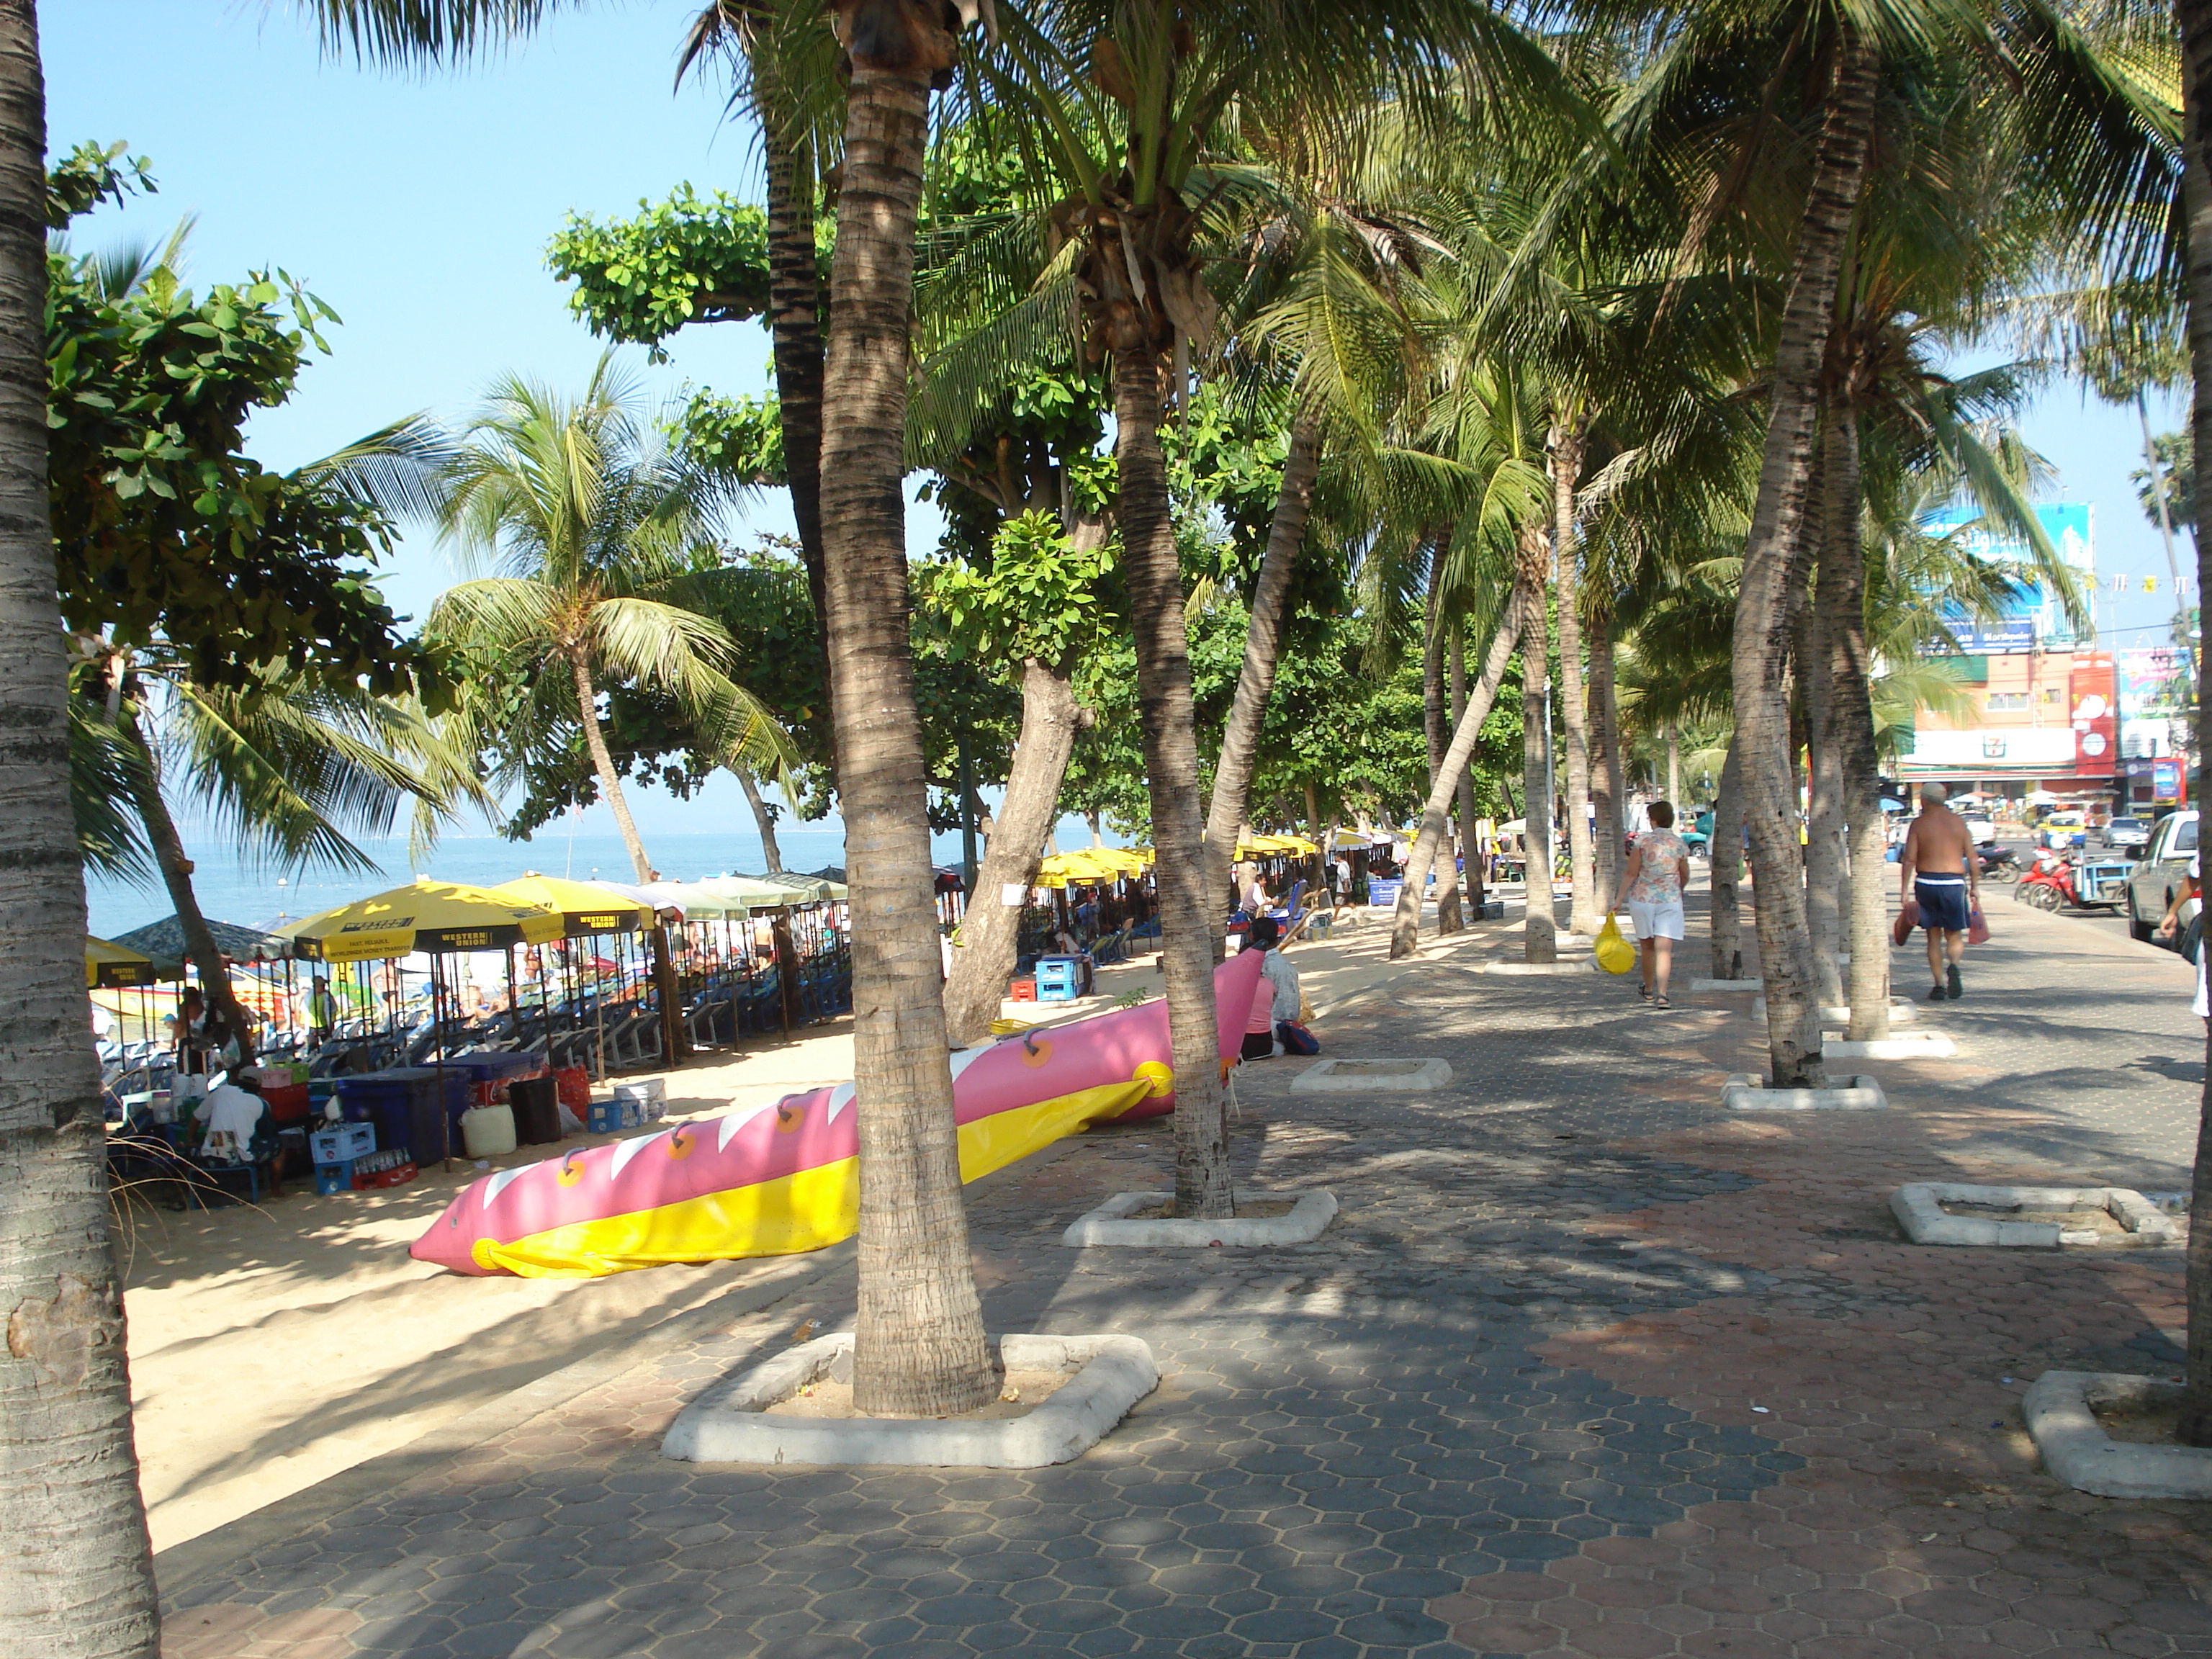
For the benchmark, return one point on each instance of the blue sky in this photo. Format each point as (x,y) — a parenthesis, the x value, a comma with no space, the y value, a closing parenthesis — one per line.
(419,207)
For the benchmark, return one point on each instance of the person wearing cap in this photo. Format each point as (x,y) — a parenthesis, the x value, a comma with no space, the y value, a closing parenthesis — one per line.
(1275,998)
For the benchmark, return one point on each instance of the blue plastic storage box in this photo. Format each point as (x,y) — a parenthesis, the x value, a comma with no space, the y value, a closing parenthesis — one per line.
(403,1103)
(1058,979)
(342,1145)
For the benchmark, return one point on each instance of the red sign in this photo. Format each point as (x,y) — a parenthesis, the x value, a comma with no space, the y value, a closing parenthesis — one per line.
(2093,694)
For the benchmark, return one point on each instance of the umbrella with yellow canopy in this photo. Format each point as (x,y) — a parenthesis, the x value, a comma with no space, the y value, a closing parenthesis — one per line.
(107,963)
(435,917)
(585,907)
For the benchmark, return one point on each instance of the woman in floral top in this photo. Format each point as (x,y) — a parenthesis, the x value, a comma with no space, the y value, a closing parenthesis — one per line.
(1658,872)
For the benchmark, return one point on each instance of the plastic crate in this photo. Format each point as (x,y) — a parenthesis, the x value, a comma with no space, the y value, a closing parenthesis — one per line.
(334,1178)
(397,1175)
(1058,979)
(1022,990)
(342,1145)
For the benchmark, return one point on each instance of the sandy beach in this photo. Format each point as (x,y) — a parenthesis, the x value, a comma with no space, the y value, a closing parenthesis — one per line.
(271,1348)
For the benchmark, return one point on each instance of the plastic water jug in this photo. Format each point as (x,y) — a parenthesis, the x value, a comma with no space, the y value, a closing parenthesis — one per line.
(487,1131)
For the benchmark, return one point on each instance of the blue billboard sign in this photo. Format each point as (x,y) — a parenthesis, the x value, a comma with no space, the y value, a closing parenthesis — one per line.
(2034,618)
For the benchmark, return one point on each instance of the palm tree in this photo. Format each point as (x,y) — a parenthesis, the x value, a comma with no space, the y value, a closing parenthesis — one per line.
(594,521)
(1122,104)
(80,1584)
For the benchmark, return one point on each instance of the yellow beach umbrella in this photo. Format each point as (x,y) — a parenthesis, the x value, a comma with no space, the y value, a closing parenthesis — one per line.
(107,963)
(431,916)
(1295,846)
(585,907)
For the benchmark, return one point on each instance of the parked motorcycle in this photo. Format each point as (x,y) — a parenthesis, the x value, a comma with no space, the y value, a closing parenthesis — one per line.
(2050,884)
(2000,863)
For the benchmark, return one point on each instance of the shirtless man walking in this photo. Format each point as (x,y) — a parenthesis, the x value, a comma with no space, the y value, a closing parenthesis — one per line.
(1939,871)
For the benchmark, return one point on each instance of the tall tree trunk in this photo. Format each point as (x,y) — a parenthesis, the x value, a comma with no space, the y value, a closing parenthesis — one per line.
(2195,19)
(1583,916)
(1673,764)
(1470,853)
(765,820)
(795,299)
(919,1348)
(145,775)
(988,932)
(79,1581)
(1842,601)
(1189,903)
(1762,619)
(1607,794)
(1255,680)
(1724,867)
(1540,932)
(595,742)
(1406,920)
(1434,704)
(1824,801)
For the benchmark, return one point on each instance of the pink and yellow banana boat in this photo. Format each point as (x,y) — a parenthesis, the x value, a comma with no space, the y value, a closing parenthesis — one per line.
(785,1177)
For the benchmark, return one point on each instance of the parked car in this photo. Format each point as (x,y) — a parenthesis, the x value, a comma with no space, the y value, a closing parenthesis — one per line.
(2161,873)
(2125,833)
(1980,826)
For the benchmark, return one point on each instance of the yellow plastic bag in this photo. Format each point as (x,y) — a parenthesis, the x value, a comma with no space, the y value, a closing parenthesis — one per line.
(1615,954)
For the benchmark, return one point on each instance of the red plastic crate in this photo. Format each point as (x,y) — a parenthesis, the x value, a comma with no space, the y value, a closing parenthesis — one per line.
(397,1176)
(1022,990)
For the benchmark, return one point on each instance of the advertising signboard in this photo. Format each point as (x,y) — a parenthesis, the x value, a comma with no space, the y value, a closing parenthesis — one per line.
(2154,700)
(2093,699)
(2035,618)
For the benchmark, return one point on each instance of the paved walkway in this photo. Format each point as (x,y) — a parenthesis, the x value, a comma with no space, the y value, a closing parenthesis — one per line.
(1584,1367)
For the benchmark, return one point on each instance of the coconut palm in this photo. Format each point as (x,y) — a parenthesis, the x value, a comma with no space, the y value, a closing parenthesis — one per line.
(79,1582)
(594,522)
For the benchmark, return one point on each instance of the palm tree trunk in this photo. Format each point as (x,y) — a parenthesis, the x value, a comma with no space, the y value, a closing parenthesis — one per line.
(79,1582)
(595,742)
(1255,680)
(1724,864)
(1540,931)
(1824,803)
(1841,602)
(1406,920)
(1762,620)
(794,299)
(1189,903)
(2196,20)
(1470,853)
(919,1347)
(145,775)
(1434,707)
(1582,914)
(988,932)
(1607,794)
(765,821)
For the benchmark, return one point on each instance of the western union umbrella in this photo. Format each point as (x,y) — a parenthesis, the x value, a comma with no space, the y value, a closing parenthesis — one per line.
(585,907)
(111,964)
(1296,846)
(1081,867)
(435,917)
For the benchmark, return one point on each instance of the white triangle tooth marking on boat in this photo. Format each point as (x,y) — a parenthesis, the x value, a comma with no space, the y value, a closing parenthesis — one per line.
(840,1097)
(733,1122)
(495,1185)
(964,1058)
(627,1150)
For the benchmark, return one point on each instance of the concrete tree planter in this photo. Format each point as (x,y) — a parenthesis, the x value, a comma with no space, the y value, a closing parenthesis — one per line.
(1564,966)
(1900,1012)
(1109,1223)
(2076,1448)
(1919,1208)
(1743,1092)
(1913,1045)
(1725,984)
(1371,1077)
(729,1424)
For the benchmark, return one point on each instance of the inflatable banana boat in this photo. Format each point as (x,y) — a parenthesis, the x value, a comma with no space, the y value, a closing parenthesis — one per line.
(785,1177)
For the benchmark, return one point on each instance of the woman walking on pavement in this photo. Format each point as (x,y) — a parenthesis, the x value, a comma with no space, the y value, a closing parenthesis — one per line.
(1938,871)
(1658,872)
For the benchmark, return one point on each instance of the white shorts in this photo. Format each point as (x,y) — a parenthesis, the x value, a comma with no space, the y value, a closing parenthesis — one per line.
(1656,920)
